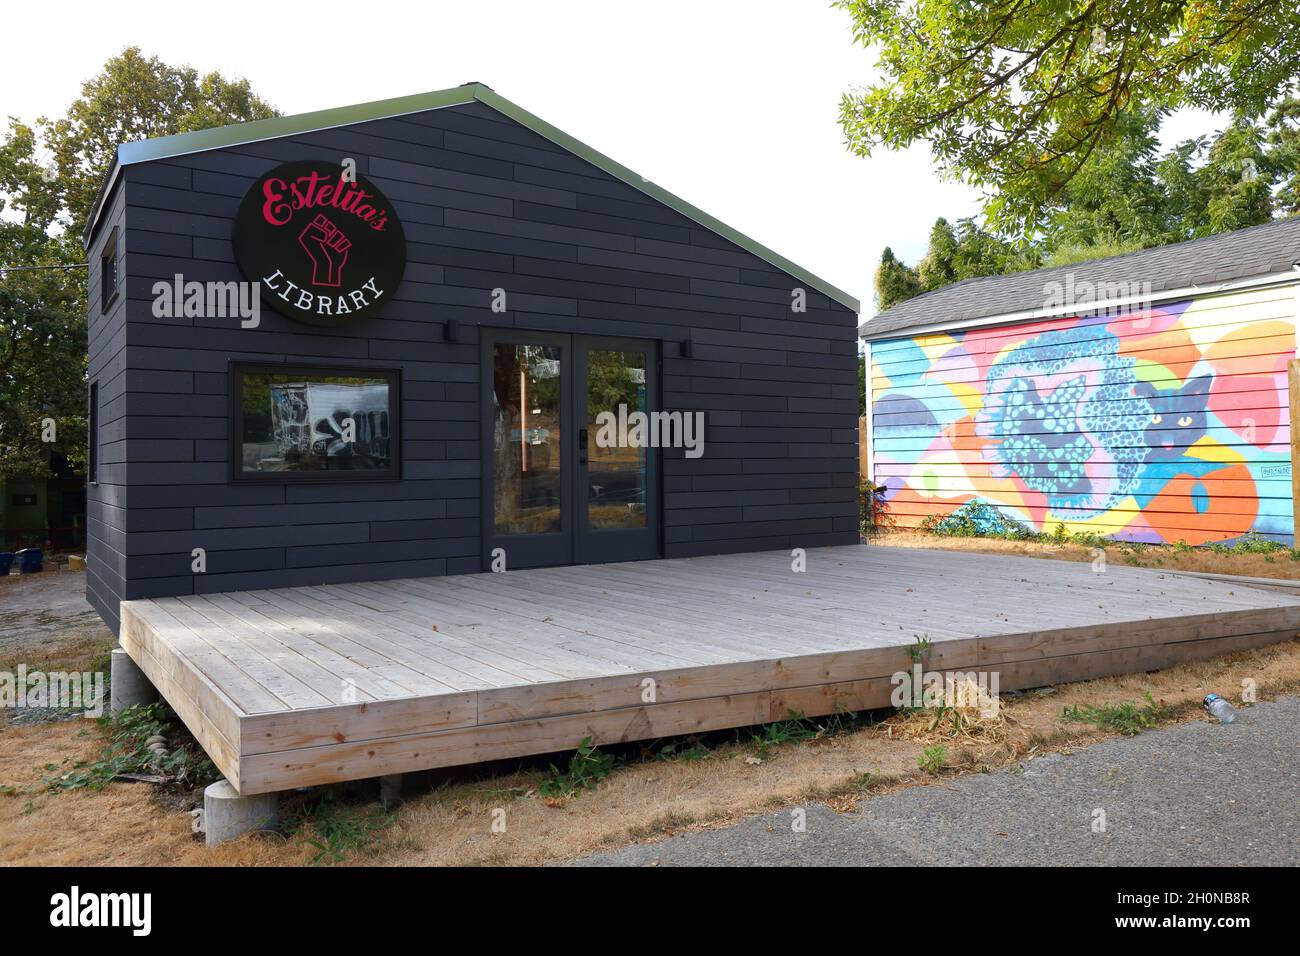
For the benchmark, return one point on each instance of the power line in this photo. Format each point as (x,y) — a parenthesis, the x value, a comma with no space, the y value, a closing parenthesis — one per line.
(77,265)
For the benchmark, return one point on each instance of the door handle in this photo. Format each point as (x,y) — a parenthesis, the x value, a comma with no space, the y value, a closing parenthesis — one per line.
(582,446)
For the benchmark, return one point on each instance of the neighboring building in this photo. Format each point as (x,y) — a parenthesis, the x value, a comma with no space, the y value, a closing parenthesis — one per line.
(48,513)
(1143,396)
(436,337)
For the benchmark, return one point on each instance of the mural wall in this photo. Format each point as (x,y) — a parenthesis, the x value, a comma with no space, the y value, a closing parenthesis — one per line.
(1162,425)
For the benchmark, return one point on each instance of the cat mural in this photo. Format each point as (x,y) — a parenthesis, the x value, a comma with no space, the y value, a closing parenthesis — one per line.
(1061,413)
(1068,417)
(1177,416)
(1178,421)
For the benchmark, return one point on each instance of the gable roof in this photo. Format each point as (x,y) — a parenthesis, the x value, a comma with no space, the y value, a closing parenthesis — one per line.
(1256,251)
(164,147)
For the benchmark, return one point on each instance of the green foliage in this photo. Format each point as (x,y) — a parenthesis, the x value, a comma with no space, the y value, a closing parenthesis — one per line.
(183,762)
(335,829)
(689,750)
(933,758)
(862,384)
(1017,98)
(895,282)
(1128,719)
(1129,197)
(50,173)
(976,519)
(966,252)
(587,767)
(920,644)
(873,509)
(42,362)
(1251,543)
(798,728)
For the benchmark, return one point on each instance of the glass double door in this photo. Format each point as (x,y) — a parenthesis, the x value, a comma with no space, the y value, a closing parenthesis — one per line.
(567,476)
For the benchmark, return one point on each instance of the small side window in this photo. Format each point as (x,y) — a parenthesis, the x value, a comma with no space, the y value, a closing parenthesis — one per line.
(108,272)
(92,436)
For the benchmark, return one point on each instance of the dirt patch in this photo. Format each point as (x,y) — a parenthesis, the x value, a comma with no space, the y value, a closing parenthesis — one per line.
(129,824)
(46,624)
(1278,564)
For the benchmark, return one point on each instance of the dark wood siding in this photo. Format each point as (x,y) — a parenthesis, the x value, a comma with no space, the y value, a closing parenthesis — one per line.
(485,203)
(106,519)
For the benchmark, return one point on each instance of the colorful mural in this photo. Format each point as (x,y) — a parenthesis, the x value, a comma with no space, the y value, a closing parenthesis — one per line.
(1161,425)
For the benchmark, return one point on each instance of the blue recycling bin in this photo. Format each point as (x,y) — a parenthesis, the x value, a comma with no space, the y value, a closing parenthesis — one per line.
(6,562)
(29,560)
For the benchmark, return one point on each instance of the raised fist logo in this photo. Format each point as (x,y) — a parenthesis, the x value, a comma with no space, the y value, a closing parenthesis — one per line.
(328,248)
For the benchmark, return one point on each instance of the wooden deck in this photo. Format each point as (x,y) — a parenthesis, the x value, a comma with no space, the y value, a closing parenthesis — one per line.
(304,686)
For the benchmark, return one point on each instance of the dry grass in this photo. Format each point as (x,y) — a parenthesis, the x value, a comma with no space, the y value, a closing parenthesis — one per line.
(131,824)
(1279,564)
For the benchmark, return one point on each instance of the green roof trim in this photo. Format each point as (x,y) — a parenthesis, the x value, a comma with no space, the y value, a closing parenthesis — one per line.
(182,144)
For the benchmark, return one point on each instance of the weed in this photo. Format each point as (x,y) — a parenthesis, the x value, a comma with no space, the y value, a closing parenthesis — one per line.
(980,519)
(873,509)
(920,645)
(976,519)
(932,759)
(690,749)
(144,739)
(587,767)
(797,727)
(1128,719)
(335,830)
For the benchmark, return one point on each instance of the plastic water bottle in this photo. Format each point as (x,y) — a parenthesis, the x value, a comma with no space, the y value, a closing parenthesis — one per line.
(1220,708)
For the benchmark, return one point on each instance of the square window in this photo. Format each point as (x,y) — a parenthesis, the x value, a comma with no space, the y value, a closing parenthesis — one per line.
(292,424)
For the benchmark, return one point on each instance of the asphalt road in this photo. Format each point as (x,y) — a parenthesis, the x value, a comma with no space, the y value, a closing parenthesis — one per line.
(1192,795)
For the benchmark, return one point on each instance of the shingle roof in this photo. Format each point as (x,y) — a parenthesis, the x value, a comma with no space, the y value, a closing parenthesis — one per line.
(183,143)
(1245,253)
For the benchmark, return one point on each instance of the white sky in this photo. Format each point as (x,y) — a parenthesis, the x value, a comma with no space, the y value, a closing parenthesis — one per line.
(730,104)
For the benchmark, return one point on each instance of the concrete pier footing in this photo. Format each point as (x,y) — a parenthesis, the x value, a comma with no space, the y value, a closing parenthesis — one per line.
(227,815)
(390,791)
(128,684)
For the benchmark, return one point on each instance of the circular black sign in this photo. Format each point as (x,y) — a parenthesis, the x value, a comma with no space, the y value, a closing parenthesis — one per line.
(325,245)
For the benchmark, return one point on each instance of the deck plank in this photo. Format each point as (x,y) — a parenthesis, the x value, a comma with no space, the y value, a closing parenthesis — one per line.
(441,671)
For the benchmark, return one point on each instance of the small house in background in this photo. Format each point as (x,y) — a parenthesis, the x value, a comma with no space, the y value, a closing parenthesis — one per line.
(47,513)
(1145,397)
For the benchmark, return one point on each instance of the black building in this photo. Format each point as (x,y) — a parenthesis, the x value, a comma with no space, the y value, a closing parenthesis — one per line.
(451,292)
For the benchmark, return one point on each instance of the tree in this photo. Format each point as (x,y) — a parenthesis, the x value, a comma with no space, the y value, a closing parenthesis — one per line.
(133,98)
(42,360)
(1016,97)
(1115,201)
(1284,143)
(964,252)
(50,174)
(895,281)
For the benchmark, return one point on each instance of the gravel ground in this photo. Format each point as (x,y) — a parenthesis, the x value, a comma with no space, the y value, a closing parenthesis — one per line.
(1195,794)
(38,609)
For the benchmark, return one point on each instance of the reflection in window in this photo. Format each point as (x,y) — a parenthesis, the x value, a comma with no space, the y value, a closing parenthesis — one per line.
(616,475)
(315,422)
(526,439)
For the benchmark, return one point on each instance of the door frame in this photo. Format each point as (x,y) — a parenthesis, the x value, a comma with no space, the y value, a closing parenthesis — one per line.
(526,550)
(572,544)
(603,547)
